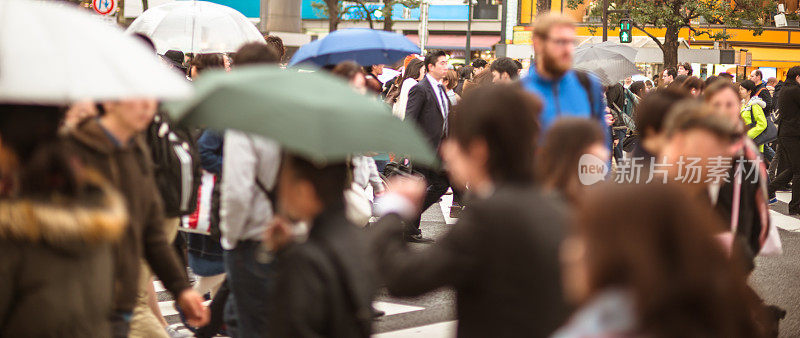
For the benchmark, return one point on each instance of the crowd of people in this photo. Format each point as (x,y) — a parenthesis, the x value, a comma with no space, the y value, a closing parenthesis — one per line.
(92,197)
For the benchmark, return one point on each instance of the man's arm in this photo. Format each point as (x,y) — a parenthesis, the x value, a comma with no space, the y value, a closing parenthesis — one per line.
(210,148)
(415,103)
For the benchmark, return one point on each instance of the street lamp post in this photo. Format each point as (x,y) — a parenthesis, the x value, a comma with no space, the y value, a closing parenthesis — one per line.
(423,25)
(468,55)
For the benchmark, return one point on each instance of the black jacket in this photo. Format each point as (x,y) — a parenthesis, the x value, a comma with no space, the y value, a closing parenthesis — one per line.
(789,107)
(501,258)
(423,108)
(324,286)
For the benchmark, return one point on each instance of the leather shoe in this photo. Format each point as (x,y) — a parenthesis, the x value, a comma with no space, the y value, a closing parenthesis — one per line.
(417,239)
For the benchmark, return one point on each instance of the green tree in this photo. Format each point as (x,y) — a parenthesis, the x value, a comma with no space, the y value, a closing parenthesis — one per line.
(335,11)
(542,6)
(673,15)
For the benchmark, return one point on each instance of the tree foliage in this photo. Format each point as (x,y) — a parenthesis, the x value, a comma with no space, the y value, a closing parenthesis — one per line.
(359,10)
(676,14)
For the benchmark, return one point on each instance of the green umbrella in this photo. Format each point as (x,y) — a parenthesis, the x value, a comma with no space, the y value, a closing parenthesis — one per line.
(312,114)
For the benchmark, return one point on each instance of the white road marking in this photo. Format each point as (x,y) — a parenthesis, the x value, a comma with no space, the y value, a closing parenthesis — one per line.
(394,308)
(784,222)
(438,330)
(444,204)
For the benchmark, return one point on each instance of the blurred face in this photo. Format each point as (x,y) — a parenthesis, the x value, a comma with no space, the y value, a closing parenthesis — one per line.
(755,78)
(466,166)
(599,150)
(666,78)
(359,82)
(438,69)
(744,94)
(682,71)
(377,69)
(556,51)
(297,198)
(727,103)
(133,115)
(696,148)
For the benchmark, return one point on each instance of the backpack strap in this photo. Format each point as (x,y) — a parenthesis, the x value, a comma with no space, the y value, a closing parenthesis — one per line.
(586,83)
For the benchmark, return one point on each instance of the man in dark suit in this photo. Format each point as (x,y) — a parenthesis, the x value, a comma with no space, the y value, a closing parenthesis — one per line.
(502,255)
(428,106)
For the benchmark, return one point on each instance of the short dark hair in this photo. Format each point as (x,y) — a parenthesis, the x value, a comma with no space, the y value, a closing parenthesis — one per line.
(693,115)
(726,76)
(710,80)
(329,181)
(717,87)
(347,70)
(277,43)
(175,56)
(256,53)
(759,73)
(479,63)
(688,67)
(465,73)
(507,118)
(506,65)
(671,71)
(432,57)
(637,87)
(653,109)
(693,83)
(792,74)
(750,86)
(203,62)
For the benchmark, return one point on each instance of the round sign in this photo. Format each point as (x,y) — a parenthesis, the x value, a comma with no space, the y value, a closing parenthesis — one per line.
(104,7)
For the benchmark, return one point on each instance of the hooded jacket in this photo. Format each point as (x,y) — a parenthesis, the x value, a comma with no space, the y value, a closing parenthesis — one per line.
(129,168)
(56,264)
(755,105)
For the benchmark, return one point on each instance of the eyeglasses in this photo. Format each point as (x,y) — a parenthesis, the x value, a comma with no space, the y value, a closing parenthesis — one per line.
(564,42)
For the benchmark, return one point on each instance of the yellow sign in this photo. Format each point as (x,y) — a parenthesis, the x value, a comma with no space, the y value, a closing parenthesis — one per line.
(523,37)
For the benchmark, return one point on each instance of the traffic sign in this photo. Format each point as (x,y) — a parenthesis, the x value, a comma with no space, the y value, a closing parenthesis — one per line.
(104,7)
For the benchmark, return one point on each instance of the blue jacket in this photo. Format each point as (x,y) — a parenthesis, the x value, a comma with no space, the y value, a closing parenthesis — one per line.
(566,97)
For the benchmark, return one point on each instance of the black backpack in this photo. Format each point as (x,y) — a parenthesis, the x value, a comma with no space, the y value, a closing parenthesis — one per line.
(177,165)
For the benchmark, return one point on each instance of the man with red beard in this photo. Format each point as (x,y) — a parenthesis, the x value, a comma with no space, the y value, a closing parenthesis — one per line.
(564,92)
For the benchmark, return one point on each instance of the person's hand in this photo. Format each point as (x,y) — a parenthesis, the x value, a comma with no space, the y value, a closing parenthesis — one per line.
(278,234)
(412,188)
(191,303)
(609,119)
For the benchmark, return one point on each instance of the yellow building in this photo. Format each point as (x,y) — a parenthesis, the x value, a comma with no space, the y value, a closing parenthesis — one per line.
(777,48)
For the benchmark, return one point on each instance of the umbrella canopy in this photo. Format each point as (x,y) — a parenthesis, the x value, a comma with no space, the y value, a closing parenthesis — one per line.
(362,45)
(312,114)
(55,53)
(611,62)
(196,27)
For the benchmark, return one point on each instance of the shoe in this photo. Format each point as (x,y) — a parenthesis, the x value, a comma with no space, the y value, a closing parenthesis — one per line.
(377,313)
(417,239)
(173,332)
(773,200)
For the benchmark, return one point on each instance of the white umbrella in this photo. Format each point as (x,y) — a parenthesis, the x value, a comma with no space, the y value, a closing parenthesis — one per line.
(196,27)
(388,74)
(55,53)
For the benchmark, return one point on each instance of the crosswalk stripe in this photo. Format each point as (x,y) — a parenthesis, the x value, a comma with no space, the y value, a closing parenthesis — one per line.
(444,205)
(392,309)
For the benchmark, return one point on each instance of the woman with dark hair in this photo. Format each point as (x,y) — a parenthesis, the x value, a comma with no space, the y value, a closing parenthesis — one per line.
(657,272)
(464,74)
(501,255)
(789,137)
(413,73)
(694,86)
(58,223)
(753,115)
(639,89)
(564,144)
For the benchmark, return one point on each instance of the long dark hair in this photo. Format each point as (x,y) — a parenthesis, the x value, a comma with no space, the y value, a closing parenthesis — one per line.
(34,162)
(664,252)
(564,144)
(412,71)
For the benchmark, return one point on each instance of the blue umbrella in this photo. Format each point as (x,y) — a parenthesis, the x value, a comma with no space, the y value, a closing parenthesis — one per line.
(362,45)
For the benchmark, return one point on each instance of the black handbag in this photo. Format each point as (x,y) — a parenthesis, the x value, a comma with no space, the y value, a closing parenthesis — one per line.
(768,135)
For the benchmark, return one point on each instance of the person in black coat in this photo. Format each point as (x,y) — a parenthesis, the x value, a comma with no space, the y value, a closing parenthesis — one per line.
(428,107)
(789,137)
(323,287)
(761,88)
(502,255)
